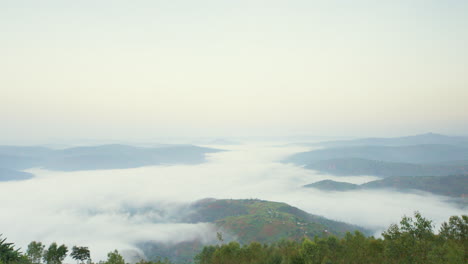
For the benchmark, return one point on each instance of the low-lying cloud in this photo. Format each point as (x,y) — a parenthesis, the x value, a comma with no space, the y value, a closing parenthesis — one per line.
(114,209)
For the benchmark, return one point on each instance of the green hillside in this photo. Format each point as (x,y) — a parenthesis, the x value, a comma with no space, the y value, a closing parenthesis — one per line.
(247,221)
(264,221)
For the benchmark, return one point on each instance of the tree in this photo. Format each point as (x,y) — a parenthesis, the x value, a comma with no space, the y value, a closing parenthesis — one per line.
(80,254)
(55,254)
(411,241)
(8,253)
(455,229)
(114,258)
(35,251)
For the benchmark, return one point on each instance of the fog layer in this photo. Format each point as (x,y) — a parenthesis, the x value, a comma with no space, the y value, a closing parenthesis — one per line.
(103,209)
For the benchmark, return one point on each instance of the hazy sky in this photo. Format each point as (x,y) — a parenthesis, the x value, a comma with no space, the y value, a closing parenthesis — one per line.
(148,69)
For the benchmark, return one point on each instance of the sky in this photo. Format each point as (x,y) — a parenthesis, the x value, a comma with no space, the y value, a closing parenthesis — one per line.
(90,208)
(138,70)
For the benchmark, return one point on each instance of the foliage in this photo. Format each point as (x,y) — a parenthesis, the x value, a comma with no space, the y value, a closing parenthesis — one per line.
(246,221)
(35,251)
(164,261)
(55,254)
(114,258)
(80,253)
(8,253)
(266,222)
(412,241)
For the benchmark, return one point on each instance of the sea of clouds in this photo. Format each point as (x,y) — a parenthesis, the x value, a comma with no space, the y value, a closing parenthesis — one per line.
(115,209)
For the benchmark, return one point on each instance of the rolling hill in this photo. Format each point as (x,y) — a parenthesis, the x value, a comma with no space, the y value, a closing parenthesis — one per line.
(99,157)
(263,221)
(13,175)
(358,166)
(403,154)
(123,156)
(453,186)
(421,139)
(112,156)
(246,221)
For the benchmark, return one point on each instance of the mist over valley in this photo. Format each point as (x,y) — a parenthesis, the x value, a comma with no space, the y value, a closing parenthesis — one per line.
(150,211)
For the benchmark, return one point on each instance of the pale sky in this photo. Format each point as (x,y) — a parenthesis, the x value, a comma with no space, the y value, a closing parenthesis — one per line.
(136,70)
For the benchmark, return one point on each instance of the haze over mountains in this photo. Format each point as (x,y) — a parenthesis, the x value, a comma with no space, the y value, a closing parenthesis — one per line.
(421,139)
(120,119)
(453,185)
(126,197)
(421,155)
(14,158)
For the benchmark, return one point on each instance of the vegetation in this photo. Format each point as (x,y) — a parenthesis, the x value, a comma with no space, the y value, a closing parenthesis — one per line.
(265,221)
(8,253)
(411,241)
(80,254)
(35,252)
(245,221)
(114,258)
(55,254)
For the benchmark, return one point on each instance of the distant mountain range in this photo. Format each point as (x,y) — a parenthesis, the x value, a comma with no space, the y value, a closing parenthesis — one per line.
(246,221)
(421,155)
(15,158)
(421,139)
(358,166)
(453,186)
(405,154)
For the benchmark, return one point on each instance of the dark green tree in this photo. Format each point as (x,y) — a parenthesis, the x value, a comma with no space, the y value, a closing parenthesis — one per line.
(411,241)
(8,253)
(455,229)
(80,254)
(55,254)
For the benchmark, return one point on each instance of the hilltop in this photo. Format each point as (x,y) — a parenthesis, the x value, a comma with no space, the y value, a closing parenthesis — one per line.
(247,221)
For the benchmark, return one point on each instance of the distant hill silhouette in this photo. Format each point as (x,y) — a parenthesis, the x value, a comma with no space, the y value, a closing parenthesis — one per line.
(453,186)
(357,166)
(12,175)
(421,139)
(405,154)
(114,156)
